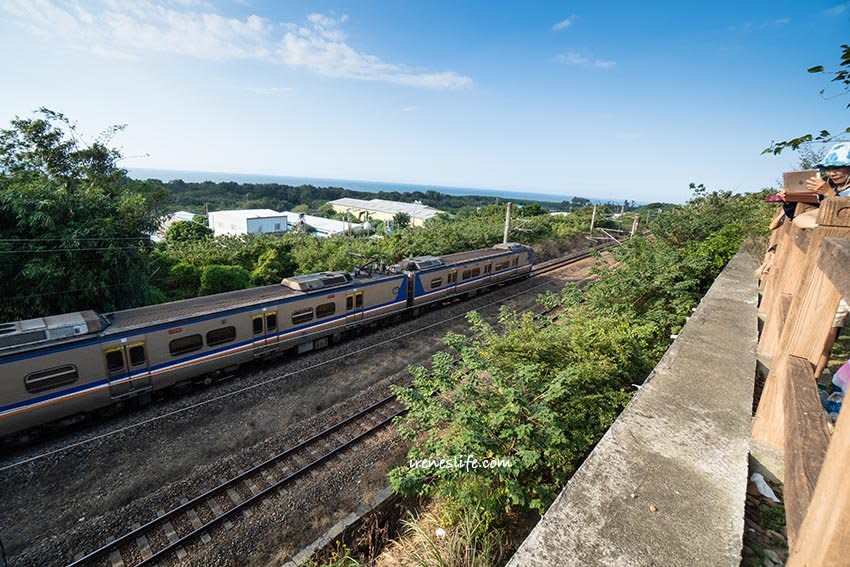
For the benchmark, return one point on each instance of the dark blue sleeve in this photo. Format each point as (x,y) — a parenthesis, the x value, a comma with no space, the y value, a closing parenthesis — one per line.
(789,209)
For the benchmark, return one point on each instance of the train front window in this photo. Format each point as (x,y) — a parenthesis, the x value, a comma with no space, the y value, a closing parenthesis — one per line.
(114,361)
(137,355)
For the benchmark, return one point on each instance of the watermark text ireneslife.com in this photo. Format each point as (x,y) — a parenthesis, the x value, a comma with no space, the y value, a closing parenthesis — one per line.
(466,462)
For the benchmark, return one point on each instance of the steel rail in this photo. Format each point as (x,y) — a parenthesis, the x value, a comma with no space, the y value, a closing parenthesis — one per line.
(127,537)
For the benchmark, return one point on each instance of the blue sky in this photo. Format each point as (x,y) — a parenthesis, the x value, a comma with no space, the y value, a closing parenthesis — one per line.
(606,100)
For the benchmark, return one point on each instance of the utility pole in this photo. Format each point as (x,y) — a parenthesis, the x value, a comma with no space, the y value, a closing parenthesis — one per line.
(507,223)
(634,225)
(592,220)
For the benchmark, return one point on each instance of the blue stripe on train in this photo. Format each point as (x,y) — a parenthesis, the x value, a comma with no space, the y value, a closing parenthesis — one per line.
(401,295)
(179,361)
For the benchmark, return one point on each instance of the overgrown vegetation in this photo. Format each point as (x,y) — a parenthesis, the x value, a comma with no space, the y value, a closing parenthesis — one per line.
(73,228)
(540,394)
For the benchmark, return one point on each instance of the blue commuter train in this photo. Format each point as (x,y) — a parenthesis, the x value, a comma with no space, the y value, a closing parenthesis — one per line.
(60,366)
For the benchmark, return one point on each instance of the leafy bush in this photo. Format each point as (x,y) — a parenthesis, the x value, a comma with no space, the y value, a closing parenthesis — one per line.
(540,394)
(182,231)
(218,279)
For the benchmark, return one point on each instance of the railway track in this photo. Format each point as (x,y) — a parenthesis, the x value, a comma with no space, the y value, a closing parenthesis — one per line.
(175,533)
(537,270)
(172,531)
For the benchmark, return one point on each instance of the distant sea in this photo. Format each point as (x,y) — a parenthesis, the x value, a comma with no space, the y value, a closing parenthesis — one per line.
(355,185)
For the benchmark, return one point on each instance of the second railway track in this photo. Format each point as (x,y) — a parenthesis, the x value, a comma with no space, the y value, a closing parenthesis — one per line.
(223,503)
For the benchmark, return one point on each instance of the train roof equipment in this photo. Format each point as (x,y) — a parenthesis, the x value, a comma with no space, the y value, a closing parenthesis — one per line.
(51,328)
(321,280)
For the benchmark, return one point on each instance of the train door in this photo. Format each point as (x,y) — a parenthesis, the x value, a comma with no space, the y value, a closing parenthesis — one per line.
(264,327)
(451,279)
(354,306)
(127,368)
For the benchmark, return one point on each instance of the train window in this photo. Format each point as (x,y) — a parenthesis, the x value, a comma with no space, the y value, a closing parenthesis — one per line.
(137,355)
(516,260)
(327,309)
(436,282)
(464,275)
(302,316)
(221,336)
(349,303)
(185,344)
(452,277)
(474,272)
(49,379)
(358,299)
(258,324)
(271,321)
(115,360)
(488,268)
(502,265)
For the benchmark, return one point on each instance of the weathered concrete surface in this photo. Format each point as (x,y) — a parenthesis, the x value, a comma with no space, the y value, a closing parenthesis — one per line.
(679,448)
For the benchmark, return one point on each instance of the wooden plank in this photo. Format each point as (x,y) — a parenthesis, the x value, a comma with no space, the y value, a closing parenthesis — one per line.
(769,423)
(790,259)
(809,319)
(822,539)
(834,260)
(806,441)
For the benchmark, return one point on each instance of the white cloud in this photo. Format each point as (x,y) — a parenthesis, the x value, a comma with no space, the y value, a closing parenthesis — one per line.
(838,10)
(190,28)
(321,47)
(750,26)
(564,24)
(410,109)
(576,58)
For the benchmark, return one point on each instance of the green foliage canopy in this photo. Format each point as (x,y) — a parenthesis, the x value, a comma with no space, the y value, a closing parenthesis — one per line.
(541,394)
(73,228)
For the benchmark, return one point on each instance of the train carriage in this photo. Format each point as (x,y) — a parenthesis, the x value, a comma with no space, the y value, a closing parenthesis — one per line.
(58,366)
(436,278)
(54,367)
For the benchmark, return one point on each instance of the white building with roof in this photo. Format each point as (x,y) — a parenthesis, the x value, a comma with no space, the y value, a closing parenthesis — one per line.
(383,210)
(247,221)
(320,226)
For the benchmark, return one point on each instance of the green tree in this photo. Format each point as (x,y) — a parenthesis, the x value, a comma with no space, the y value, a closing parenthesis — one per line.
(218,279)
(401,220)
(182,231)
(301,209)
(74,228)
(841,76)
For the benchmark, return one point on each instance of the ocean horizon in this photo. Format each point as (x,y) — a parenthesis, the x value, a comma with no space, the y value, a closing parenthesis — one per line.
(352,184)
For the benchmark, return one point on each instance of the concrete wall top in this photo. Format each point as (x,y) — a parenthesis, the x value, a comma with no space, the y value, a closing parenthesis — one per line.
(666,484)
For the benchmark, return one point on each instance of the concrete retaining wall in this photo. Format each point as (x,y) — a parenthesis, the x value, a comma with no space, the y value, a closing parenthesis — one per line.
(666,484)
